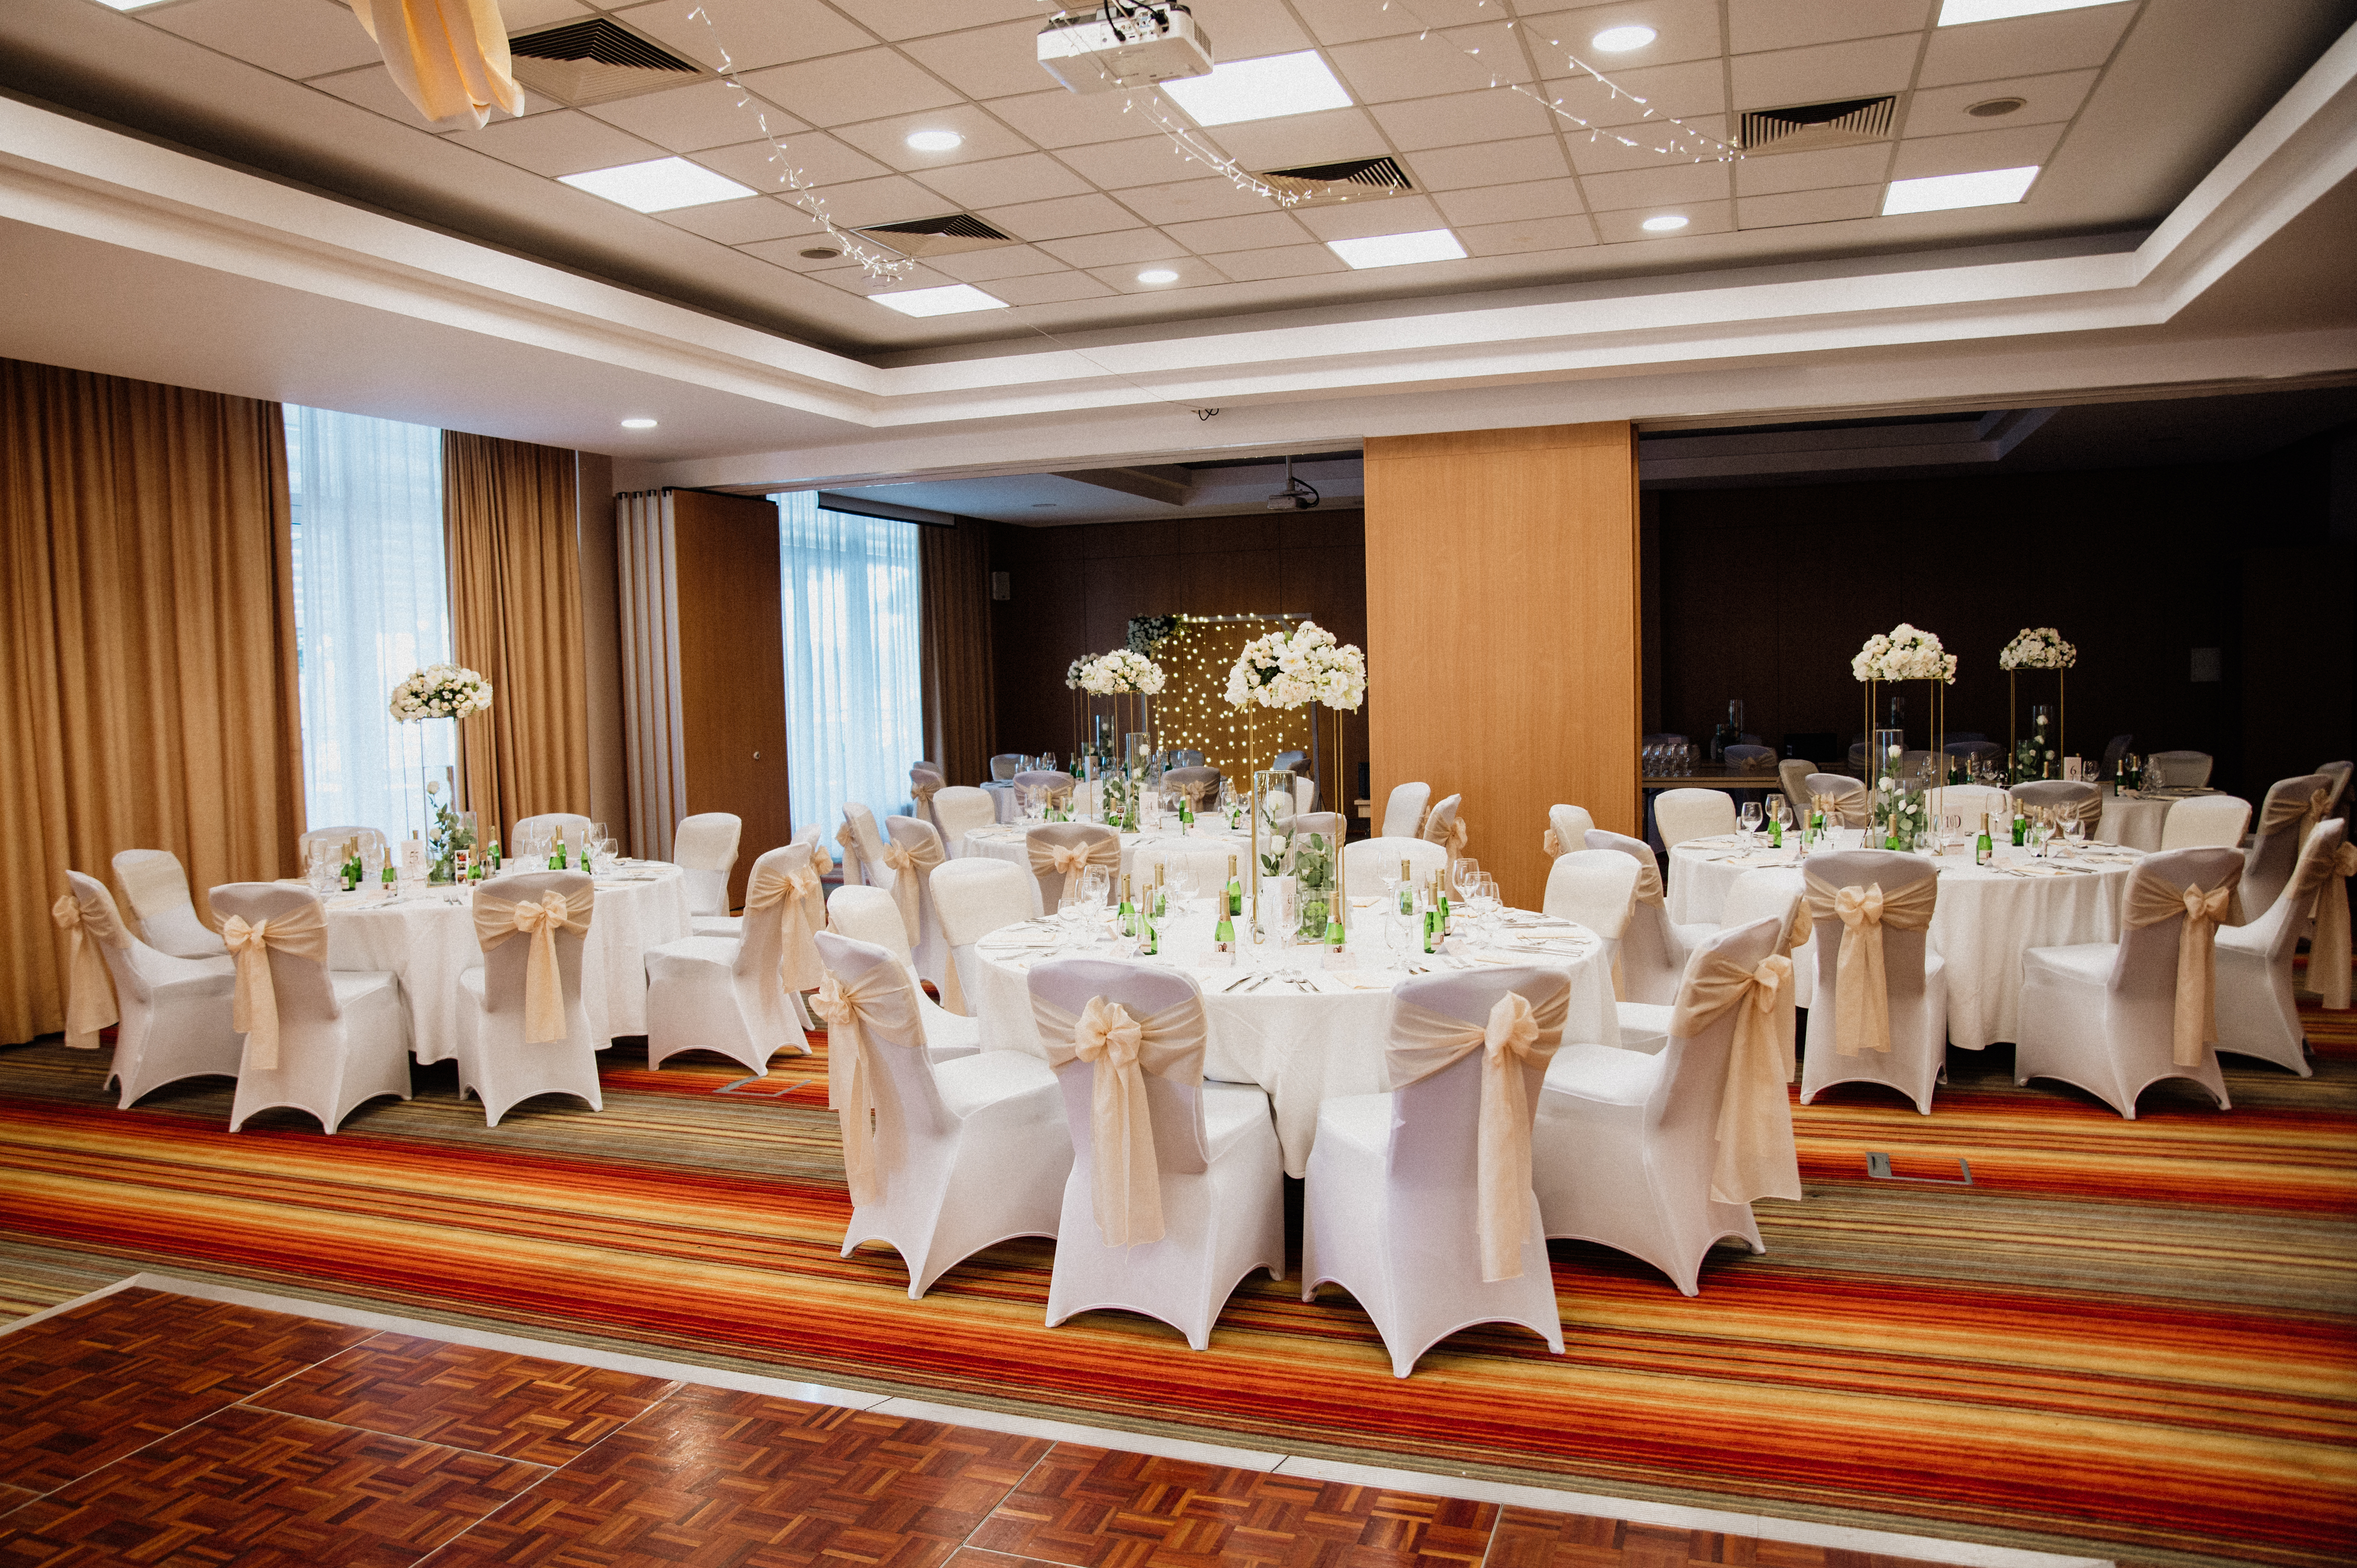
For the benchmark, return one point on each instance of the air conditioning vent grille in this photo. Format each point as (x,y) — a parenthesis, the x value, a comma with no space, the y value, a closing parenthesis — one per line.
(943,236)
(1812,128)
(1327,185)
(595,61)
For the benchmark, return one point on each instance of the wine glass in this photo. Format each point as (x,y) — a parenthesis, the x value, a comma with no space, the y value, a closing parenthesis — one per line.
(371,866)
(2075,831)
(1184,884)
(1486,908)
(1047,759)
(1464,876)
(1749,818)
(1779,812)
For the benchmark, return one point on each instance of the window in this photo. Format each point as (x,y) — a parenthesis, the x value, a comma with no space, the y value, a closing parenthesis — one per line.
(371,604)
(855,718)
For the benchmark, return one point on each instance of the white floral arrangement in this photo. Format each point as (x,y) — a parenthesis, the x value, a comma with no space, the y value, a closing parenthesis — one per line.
(1285,670)
(1073,671)
(440,692)
(2037,647)
(1907,654)
(1121,674)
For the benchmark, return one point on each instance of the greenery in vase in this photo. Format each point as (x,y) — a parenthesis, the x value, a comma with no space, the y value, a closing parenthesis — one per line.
(1313,875)
(448,834)
(2034,756)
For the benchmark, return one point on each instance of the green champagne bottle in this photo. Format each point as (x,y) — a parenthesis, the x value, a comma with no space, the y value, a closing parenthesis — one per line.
(1128,910)
(2021,825)
(1235,890)
(1432,930)
(492,854)
(1223,935)
(1161,893)
(351,873)
(1335,936)
(1408,888)
(1148,940)
(1775,833)
(1982,850)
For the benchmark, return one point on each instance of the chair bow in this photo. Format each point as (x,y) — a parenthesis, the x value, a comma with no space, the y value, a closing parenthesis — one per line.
(795,887)
(1069,859)
(1861,986)
(1755,1158)
(2285,810)
(1516,1035)
(911,866)
(1125,1167)
(2193,1022)
(822,861)
(1550,842)
(883,998)
(2328,946)
(498,920)
(90,1002)
(300,933)
(1452,835)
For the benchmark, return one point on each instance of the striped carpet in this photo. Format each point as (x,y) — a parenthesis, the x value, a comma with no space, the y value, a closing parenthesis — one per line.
(2128,1340)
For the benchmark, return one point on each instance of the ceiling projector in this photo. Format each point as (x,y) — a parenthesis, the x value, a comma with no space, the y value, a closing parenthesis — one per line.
(1123,43)
(1298,494)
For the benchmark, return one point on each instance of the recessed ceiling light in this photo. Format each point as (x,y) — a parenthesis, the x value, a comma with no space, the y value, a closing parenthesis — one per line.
(946,301)
(638,424)
(1956,13)
(935,141)
(1668,222)
(1157,274)
(658,185)
(819,253)
(1990,108)
(1941,192)
(127,5)
(1399,250)
(1259,89)
(1620,41)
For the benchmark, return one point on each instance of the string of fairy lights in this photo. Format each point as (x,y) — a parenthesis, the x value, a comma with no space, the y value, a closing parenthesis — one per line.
(1192,712)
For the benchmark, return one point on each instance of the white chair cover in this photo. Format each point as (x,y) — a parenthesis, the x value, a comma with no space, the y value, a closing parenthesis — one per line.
(2257,1013)
(301,932)
(1006,765)
(974,898)
(1055,781)
(1446,826)
(958,809)
(2205,822)
(1404,811)
(1967,802)
(91,928)
(500,920)
(1652,956)
(522,1029)
(869,915)
(1861,1020)
(1122,1049)
(925,783)
(173,1013)
(912,849)
(336,838)
(1199,784)
(156,888)
(1365,862)
(1881,997)
(1839,796)
(2180,769)
(863,847)
(737,995)
(2066,798)
(318,1040)
(1683,814)
(572,827)
(705,847)
(1058,850)
(2292,808)
(1567,830)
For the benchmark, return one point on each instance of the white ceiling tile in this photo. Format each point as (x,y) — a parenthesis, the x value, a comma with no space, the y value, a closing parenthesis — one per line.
(755,33)
(899,19)
(1257,232)
(1684,30)
(1417,67)
(1186,199)
(1702,218)
(1280,261)
(893,198)
(1772,174)
(1061,119)
(1499,162)
(1003,182)
(527,15)
(1783,78)
(292,37)
(690,119)
(888,140)
(1327,137)
(1648,145)
(1920,156)
(1193,273)
(1833,206)
(371,87)
(1939,111)
(1049,288)
(1004,262)
(851,88)
(2023,46)
(564,142)
(1112,249)
(1249,29)
(740,222)
(1062,219)
(824,161)
(1511,203)
(1383,215)
(1527,235)
(1688,90)
(1462,119)
(1672,185)
(787,253)
(988,62)
(855,280)
(1340,21)
(1756,24)
(1141,160)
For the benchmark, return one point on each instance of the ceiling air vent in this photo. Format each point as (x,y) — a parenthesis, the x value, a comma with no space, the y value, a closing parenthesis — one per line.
(1327,185)
(938,236)
(594,63)
(1812,128)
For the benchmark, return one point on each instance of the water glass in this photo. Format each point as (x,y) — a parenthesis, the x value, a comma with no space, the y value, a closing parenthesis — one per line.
(1749,820)
(1465,875)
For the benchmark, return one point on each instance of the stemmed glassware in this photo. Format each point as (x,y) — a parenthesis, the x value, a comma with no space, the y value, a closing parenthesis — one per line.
(1486,908)
(1748,818)
(372,868)
(1779,812)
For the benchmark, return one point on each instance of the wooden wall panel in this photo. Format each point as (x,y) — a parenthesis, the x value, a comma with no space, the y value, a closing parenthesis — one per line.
(1503,636)
(732,668)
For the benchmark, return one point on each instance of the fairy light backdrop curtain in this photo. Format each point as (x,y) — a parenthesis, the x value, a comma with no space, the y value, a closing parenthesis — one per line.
(371,604)
(854,716)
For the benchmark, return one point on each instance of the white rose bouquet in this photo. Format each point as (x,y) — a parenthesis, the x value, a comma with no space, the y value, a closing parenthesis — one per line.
(1072,674)
(440,692)
(2037,647)
(1121,674)
(1907,654)
(1285,670)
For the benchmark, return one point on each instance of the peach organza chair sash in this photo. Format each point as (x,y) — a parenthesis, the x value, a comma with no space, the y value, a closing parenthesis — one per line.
(1169,1045)
(1861,989)
(1516,1036)
(796,890)
(885,998)
(922,787)
(2193,1022)
(500,920)
(2285,810)
(1755,1156)
(2327,945)
(448,57)
(90,1003)
(822,859)
(253,1008)
(1453,836)
(1070,859)
(912,867)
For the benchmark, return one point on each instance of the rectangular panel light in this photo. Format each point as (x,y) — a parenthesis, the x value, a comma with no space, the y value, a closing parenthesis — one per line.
(128,5)
(658,185)
(951,300)
(1939,192)
(1259,89)
(1956,13)
(1399,250)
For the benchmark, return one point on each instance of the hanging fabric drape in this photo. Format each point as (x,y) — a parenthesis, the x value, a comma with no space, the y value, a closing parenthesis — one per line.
(147,679)
(498,920)
(1125,1168)
(654,734)
(954,652)
(1756,1157)
(449,57)
(253,1008)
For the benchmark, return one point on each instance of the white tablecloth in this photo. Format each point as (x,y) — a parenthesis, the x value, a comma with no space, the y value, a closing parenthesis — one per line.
(1304,1047)
(2133,821)
(1205,848)
(429,940)
(1986,918)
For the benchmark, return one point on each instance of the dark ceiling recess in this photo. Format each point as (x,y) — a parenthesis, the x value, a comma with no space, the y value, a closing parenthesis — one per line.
(1328,184)
(943,236)
(595,61)
(1810,127)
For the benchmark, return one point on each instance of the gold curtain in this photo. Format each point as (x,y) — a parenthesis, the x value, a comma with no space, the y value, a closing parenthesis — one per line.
(959,689)
(509,521)
(147,690)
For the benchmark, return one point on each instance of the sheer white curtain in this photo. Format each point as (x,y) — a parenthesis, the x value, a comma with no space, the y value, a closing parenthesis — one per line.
(372,605)
(855,718)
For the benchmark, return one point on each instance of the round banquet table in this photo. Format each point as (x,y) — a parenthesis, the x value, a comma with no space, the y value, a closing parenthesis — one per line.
(1204,848)
(1303,1041)
(429,940)
(1988,917)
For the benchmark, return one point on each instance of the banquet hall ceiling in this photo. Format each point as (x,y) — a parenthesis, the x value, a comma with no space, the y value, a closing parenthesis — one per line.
(2125,107)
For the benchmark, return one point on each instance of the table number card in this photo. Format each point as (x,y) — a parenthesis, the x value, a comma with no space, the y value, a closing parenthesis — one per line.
(2075,769)
(414,863)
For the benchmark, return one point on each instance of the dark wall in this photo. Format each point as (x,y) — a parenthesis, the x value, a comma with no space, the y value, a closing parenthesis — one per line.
(1765,593)
(1074,590)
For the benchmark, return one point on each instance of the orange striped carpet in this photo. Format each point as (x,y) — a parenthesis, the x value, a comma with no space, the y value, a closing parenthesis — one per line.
(2126,1340)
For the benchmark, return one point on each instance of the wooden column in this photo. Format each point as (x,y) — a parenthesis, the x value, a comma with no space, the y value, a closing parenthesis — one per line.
(1503,636)
(732,668)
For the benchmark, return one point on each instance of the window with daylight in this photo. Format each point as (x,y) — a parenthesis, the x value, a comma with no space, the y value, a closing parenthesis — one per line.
(372,605)
(855,711)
